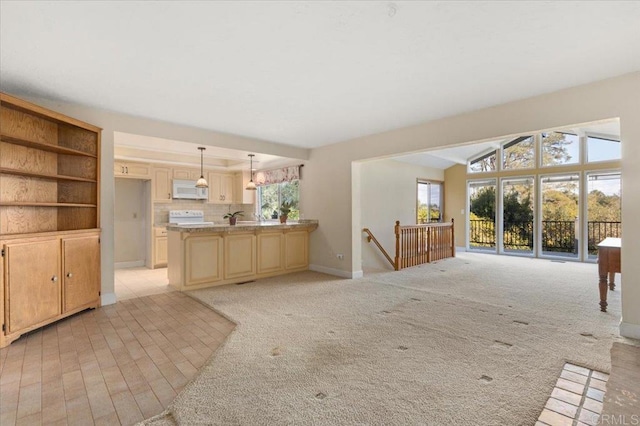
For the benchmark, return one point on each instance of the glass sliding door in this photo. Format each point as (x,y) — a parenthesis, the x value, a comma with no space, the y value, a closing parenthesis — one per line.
(482,215)
(560,224)
(604,214)
(517,215)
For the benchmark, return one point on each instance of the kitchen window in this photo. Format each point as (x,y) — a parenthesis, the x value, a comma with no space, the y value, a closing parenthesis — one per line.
(270,198)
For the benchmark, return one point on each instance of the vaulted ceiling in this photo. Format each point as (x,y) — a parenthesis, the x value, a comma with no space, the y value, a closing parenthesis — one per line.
(309,73)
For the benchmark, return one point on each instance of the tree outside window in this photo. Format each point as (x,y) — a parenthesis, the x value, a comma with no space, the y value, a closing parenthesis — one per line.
(271,197)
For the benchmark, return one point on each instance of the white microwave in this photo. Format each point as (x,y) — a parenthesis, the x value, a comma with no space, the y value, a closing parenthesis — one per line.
(186,190)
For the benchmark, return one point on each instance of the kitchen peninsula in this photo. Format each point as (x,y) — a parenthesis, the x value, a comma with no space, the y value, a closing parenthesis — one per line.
(208,255)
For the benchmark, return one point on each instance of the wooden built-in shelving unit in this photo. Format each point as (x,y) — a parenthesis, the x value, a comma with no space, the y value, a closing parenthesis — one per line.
(49,216)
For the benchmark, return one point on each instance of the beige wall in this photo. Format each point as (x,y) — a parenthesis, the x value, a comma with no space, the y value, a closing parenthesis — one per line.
(331,181)
(455,200)
(130,221)
(388,193)
(336,198)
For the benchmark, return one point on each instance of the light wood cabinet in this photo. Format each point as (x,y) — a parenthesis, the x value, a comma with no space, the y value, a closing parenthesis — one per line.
(33,284)
(204,259)
(161,184)
(160,247)
(128,169)
(296,250)
(186,174)
(81,272)
(270,252)
(220,188)
(49,192)
(239,256)
(241,195)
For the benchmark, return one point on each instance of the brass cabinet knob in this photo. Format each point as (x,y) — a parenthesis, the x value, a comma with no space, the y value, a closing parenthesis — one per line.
(69,275)
(54,278)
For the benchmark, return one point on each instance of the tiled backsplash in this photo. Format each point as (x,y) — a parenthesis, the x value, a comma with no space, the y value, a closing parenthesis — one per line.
(212,212)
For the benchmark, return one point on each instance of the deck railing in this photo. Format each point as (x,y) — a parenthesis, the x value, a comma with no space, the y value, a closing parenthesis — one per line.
(557,235)
(418,244)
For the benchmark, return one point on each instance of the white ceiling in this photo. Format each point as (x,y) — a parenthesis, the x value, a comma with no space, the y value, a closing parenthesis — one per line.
(309,73)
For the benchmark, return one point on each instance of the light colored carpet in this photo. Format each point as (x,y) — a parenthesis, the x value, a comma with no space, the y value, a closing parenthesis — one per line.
(477,340)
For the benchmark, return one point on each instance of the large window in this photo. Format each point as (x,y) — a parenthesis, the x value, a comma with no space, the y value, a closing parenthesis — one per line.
(430,199)
(270,199)
(519,153)
(560,148)
(482,215)
(602,149)
(484,163)
(560,215)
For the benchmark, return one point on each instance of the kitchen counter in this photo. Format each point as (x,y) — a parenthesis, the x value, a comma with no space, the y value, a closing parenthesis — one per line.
(202,256)
(244,226)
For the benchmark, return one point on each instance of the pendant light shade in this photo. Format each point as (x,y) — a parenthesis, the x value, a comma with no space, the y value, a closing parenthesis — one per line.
(251,186)
(202,182)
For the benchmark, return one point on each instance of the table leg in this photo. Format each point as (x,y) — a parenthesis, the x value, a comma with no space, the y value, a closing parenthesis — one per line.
(603,292)
(612,284)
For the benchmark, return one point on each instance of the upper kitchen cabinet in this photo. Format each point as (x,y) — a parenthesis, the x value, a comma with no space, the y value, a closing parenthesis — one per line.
(243,196)
(220,188)
(162,184)
(186,174)
(49,170)
(128,169)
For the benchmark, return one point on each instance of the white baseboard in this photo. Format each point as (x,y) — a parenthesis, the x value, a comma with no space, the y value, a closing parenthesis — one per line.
(336,272)
(108,299)
(630,330)
(132,264)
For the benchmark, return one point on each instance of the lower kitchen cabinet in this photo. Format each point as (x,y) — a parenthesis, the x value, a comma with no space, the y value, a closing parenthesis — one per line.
(239,256)
(45,279)
(203,259)
(296,250)
(159,247)
(270,252)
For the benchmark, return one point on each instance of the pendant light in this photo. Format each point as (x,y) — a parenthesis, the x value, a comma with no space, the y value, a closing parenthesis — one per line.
(251,186)
(202,182)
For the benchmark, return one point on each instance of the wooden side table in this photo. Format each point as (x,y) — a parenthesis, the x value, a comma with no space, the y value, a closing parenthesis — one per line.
(608,265)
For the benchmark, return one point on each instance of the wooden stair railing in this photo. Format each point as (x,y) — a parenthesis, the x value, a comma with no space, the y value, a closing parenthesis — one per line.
(419,244)
(370,238)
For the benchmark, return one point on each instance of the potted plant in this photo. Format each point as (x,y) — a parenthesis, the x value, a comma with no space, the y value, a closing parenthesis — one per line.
(285,209)
(233,217)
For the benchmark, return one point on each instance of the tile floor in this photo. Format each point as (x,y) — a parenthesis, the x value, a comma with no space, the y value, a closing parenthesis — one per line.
(138,282)
(576,399)
(118,364)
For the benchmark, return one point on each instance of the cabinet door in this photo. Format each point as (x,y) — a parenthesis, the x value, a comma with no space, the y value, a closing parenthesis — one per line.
(270,252)
(33,283)
(296,249)
(132,170)
(162,184)
(239,256)
(226,189)
(203,259)
(215,184)
(160,253)
(81,272)
(186,174)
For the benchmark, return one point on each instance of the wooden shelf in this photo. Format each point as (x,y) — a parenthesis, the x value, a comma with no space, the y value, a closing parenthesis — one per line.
(44,146)
(36,204)
(7,171)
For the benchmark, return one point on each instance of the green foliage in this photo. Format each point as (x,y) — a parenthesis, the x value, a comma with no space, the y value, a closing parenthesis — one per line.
(234,214)
(554,149)
(604,208)
(273,196)
(483,203)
